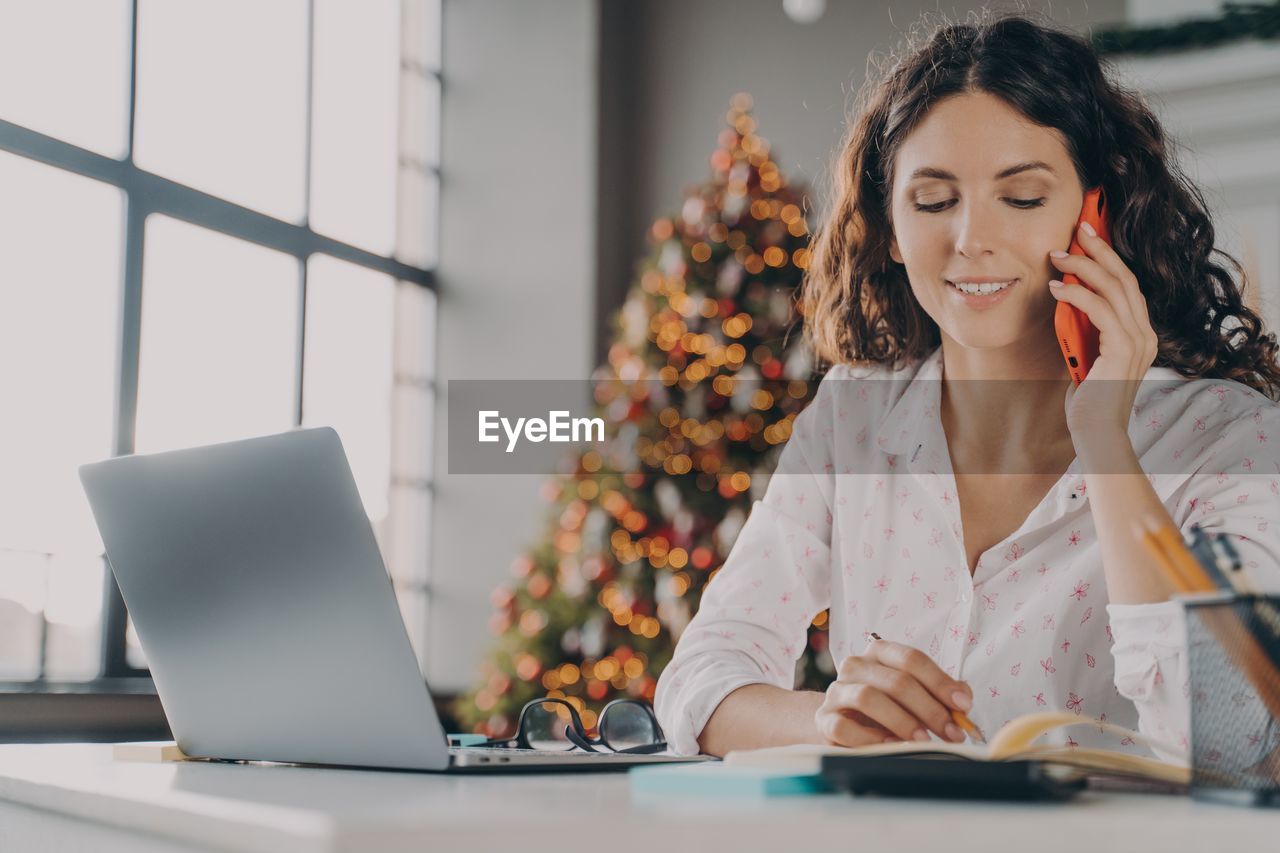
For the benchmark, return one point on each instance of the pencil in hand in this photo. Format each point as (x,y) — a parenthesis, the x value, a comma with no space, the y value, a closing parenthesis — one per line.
(960,717)
(970,728)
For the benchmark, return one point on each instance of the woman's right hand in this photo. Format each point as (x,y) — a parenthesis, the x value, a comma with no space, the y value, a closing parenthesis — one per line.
(891,692)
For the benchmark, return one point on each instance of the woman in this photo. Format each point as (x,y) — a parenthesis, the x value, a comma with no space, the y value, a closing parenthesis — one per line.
(944,517)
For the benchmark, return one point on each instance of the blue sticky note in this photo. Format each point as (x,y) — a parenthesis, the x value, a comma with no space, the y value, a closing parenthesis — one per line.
(717,780)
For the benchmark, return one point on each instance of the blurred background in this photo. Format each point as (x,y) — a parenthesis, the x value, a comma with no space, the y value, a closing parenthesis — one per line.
(222,219)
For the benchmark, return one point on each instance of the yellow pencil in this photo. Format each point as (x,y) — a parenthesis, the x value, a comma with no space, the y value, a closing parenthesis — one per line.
(1160,541)
(963,721)
(1182,557)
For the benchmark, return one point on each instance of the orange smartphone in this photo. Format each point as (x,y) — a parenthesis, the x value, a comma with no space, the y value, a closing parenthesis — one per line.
(1076,335)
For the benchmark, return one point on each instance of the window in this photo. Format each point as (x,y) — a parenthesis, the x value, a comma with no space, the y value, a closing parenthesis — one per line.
(211,230)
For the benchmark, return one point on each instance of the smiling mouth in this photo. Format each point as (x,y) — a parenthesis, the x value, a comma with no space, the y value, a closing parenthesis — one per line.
(984,288)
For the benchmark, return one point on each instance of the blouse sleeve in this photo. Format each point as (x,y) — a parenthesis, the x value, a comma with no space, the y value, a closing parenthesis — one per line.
(752,623)
(1236,492)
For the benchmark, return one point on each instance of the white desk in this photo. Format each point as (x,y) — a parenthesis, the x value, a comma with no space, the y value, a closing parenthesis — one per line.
(73,797)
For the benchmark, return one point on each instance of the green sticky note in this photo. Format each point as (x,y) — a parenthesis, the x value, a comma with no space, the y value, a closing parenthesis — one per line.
(716,780)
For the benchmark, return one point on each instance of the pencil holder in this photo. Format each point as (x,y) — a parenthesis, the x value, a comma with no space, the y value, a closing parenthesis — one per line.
(1233,654)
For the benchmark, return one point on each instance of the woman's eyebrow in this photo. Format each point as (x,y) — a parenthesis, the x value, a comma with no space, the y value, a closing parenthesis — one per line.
(944,175)
(931,172)
(1024,167)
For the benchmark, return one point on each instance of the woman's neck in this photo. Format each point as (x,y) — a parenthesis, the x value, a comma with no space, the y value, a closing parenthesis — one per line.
(1034,357)
(1003,407)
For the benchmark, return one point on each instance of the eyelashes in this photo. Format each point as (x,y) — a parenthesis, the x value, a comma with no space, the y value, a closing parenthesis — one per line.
(1019,203)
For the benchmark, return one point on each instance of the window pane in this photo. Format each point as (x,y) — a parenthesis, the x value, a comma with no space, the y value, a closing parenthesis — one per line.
(222,96)
(348,371)
(414,406)
(413,609)
(50,615)
(73,610)
(59,309)
(418,223)
(420,106)
(415,332)
(219,338)
(419,141)
(408,559)
(353,149)
(22,595)
(421,39)
(72,60)
(50,611)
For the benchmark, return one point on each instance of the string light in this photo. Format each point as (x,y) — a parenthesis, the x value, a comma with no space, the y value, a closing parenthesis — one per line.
(539,586)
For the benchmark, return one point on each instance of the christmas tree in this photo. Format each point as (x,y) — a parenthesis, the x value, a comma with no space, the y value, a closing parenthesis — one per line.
(704,379)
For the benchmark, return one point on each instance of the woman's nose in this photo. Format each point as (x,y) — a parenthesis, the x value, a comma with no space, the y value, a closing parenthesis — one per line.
(975,236)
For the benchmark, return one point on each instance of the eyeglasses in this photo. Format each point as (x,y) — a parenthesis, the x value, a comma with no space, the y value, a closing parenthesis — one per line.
(626,726)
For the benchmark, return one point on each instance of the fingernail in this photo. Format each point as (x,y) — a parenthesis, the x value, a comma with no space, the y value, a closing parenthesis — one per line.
(954,733)
(920,735)
(962,700)
(893,739)
(1088,229)
(1053,282)
(1058,253)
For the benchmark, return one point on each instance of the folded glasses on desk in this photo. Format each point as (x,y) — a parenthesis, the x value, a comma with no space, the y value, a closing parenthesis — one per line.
(625,726)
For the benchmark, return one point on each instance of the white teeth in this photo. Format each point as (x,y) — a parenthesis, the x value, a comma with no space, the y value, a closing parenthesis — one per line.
(982,287)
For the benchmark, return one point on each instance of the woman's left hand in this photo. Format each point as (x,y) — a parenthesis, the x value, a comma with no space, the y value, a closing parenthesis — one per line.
(1103,403)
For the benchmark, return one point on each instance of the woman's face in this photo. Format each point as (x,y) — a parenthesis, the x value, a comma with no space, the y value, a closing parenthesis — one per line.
(981,194)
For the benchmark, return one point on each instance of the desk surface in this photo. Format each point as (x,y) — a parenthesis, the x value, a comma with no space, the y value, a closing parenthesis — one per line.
(279,808)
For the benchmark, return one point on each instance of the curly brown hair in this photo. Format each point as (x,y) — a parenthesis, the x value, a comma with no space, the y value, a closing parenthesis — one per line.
(857,304)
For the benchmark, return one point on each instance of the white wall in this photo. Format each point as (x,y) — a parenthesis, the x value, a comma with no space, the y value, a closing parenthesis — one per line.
(1220,107)
(1155,12)
(517,261)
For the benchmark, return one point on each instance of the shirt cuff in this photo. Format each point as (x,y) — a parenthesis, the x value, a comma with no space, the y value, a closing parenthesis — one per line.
(1149,651)
(1150,641)
(1133,615)
(683,716)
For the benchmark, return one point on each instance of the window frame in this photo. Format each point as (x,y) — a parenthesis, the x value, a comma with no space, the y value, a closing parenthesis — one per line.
(146,193)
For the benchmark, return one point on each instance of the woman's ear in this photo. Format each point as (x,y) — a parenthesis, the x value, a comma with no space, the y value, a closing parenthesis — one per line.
(893,250)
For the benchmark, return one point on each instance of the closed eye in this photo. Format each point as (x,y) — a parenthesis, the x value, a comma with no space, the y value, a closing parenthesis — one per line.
(1019,203)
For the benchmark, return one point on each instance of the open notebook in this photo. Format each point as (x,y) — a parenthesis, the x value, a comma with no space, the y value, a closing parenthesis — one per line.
(1015,741)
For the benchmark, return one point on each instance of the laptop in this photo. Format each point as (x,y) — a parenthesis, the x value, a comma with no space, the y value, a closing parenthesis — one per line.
(269,621)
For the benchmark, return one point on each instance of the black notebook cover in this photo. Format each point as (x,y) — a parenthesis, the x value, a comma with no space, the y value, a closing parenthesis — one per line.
(951,777)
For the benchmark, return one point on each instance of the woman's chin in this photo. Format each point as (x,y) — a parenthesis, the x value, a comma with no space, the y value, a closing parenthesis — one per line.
(999,332)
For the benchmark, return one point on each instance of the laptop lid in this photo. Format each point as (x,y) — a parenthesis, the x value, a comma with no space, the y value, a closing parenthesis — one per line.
(261,599)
